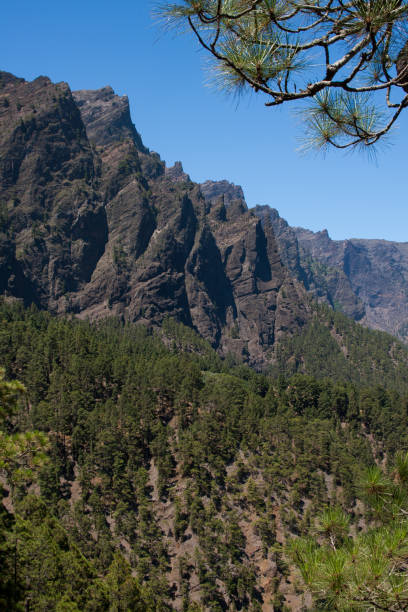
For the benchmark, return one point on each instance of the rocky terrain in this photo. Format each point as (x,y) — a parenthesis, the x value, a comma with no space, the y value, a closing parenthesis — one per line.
(94,224)
(177,478)
(365,279)
(376,271)
(327,283)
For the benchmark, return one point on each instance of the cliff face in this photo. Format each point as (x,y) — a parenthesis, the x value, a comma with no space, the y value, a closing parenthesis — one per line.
(324,279)
(107,117)
(366,279)
(377,272)
(53,222)
(94,224)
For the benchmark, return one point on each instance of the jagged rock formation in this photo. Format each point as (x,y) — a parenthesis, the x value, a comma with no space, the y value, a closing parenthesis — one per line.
(176,173)
(376,270)
(366,279)
(53,222)
(213,190)
(107,117)
(94,224)
(327,282)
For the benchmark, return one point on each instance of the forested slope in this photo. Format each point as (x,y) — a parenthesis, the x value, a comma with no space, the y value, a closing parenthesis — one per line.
(333,345)
(175,478)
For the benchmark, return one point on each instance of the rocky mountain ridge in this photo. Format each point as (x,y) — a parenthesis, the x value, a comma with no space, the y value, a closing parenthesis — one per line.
(377,272)
(94,224)
(365,279)
(328,284)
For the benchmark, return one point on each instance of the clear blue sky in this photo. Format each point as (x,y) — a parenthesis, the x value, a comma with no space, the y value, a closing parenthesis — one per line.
(91,43)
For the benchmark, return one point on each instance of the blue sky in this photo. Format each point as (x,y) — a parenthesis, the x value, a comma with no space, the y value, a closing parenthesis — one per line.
(92,43)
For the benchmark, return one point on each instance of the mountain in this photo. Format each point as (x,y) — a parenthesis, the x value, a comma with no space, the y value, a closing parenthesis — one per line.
(365,279)
(377,271)
(328,284)
(171,478)
(94,224)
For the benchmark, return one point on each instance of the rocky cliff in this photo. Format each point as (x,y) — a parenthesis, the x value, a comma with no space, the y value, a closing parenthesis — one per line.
(53,220)
(327,282)
(365,279)
(93,223)
(376,271)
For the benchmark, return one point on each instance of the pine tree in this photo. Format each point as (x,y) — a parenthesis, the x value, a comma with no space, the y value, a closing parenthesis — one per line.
(368,571)
(335,55)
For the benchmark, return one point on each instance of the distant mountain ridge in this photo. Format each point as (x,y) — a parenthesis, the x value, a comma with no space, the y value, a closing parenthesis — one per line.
(365,279)
(377,271)
(327,284)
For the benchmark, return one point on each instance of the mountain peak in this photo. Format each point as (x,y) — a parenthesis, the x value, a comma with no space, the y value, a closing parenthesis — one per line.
(212,190)
(176,173)
(106,117)
(7,77)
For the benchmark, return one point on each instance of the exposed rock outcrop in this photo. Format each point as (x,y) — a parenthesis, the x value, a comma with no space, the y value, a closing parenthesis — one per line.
(95,224)
(327,282)
(212,190)
(54,227)
(176,173)
(92,222)
(107,117)
(366,279)
(377,272)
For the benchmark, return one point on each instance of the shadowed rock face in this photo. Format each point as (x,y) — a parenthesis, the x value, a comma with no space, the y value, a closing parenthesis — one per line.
(366,279)
(377,271)
(53,222)
(93,223)
(325,280)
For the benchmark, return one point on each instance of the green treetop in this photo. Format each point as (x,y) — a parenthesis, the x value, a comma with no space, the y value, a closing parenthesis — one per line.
(20,453)
(370,570)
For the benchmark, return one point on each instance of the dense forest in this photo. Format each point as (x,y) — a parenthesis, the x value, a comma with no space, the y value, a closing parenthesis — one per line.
(172,479)
(334,346)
